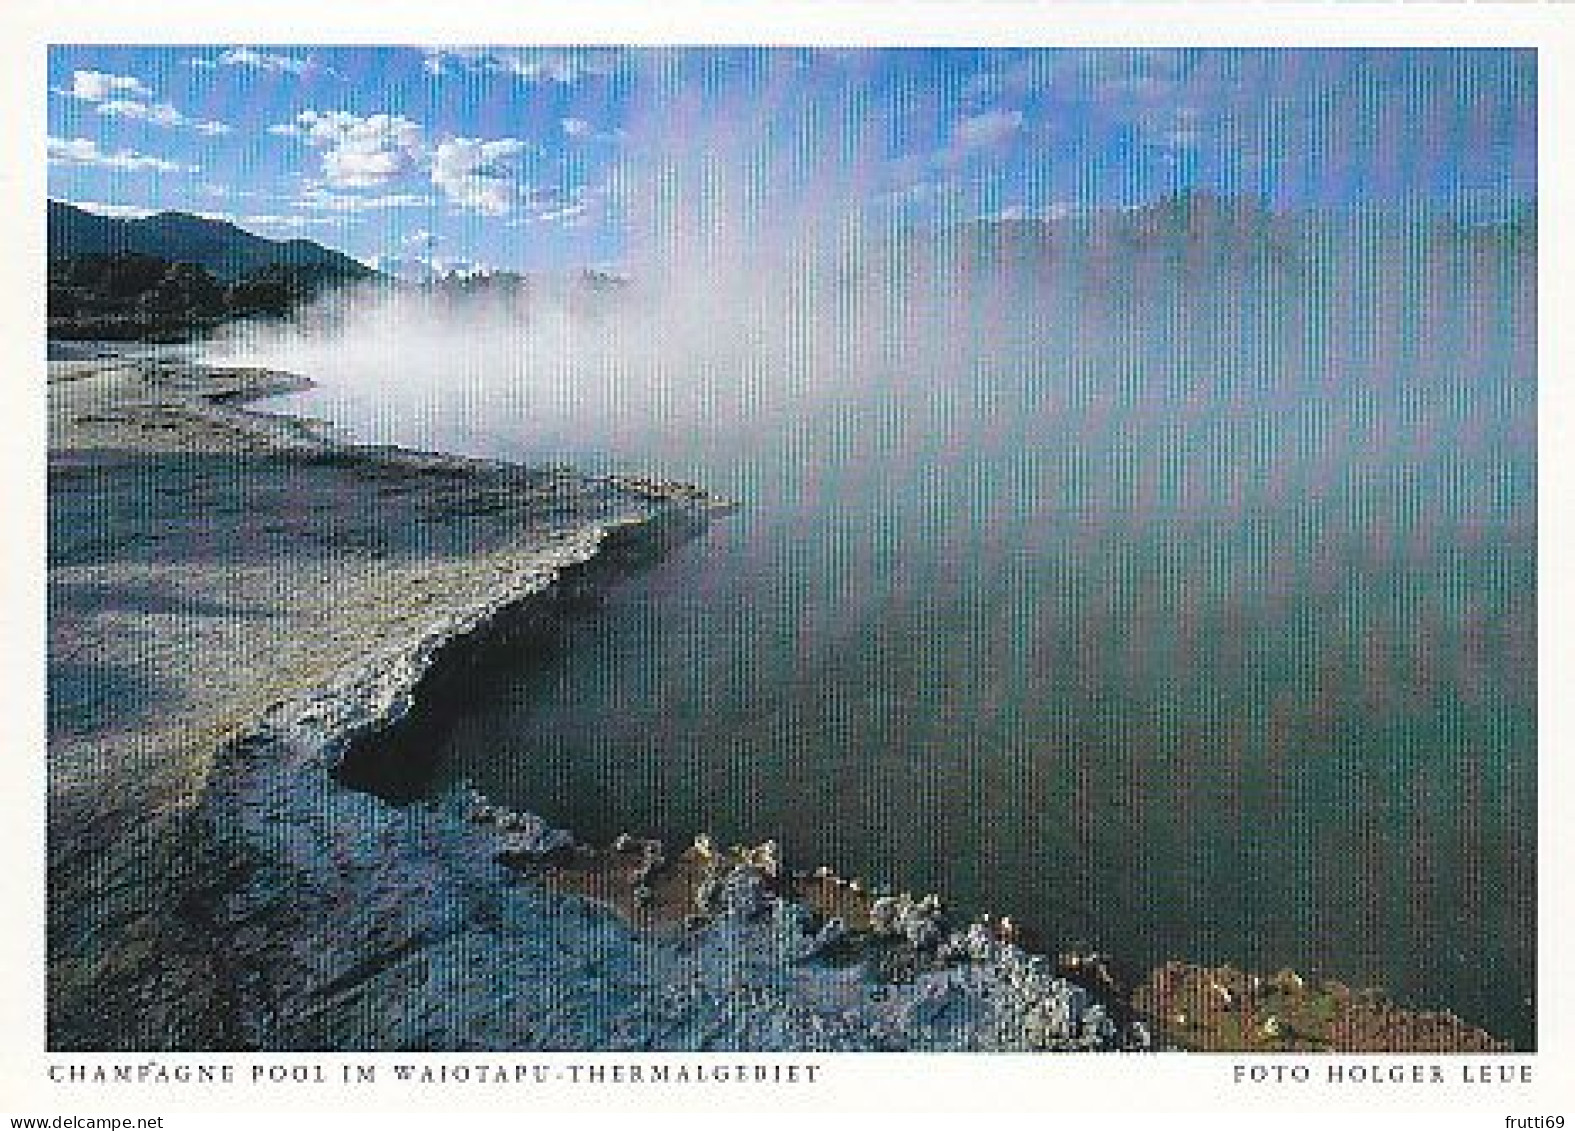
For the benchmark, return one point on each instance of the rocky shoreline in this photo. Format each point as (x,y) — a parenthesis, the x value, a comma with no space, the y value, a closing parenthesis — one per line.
(283,881)
(208,563)
(364,925)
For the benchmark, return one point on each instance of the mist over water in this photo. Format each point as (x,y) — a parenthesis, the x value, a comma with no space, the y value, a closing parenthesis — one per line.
(1164,578)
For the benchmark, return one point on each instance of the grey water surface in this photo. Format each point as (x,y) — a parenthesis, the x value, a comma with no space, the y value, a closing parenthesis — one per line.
(1172,598)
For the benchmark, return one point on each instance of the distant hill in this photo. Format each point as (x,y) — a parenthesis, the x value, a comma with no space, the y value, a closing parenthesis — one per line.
(174,276)
(219,247)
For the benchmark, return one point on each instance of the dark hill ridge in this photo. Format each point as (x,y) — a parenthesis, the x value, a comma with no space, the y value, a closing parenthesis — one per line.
(174,276)
(222,249)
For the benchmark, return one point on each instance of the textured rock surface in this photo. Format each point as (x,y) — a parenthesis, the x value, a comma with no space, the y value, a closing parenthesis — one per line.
(366,926)
(205,564)
(238,604)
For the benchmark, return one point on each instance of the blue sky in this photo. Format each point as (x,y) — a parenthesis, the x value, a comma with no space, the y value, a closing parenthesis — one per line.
(542,157)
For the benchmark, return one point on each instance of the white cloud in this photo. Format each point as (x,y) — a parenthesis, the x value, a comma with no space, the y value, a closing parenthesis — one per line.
(365,152)
(285,223)
(321,200)
(576,127)
(126,96)
(532,64)
(209,188)
(161,114)
(258,60)
(158,113)
(96,86)
(477,174)
(574,207)
(85,151)
(115,211)
(565,214)
(359,152)
(988,130)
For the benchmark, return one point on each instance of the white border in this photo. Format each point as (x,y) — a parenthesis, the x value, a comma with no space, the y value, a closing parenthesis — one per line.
(1192,1082)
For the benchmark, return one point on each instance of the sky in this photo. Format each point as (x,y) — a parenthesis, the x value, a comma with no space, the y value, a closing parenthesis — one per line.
(542,158)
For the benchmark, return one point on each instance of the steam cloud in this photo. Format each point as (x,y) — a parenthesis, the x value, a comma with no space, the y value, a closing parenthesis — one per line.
(1190,358)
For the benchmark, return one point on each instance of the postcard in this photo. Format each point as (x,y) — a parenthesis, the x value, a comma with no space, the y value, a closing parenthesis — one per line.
(587,560)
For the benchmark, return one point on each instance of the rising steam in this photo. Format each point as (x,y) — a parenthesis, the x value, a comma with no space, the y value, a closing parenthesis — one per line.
(1191,357)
